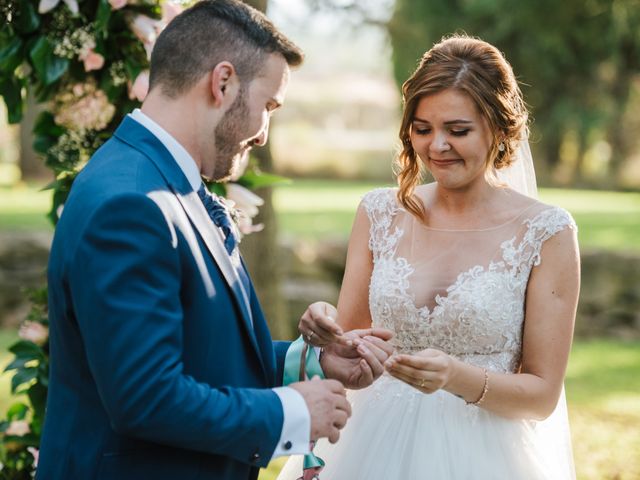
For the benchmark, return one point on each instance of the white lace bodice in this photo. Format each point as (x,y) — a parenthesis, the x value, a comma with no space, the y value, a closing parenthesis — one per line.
(479,313)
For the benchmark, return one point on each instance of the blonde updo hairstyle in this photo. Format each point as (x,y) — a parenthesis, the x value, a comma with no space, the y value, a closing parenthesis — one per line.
(479,70)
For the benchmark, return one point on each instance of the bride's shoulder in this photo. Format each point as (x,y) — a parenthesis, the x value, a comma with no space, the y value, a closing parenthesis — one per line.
(541,215)
(382,198)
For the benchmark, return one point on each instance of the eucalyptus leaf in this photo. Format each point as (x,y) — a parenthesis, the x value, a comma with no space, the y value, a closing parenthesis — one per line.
(102,16)
(17,363)
(17,411)
(11,91)
(26,349)
(27,19)
(48,66)
(10,56)
(42,143)
(46,125)
(252,179)
(23,376)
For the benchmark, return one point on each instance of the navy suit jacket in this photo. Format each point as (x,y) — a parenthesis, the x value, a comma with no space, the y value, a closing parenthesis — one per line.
(161,366)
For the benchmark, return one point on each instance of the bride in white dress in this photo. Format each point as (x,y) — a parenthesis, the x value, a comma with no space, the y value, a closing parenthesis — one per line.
(478,282)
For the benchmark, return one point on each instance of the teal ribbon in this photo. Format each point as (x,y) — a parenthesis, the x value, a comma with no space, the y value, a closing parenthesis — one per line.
(312,368)
(292,363)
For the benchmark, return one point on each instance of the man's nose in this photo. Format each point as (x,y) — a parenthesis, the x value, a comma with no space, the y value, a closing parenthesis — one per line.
(261,139)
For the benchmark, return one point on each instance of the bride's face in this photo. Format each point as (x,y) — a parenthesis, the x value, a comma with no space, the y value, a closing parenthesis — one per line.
(452,138)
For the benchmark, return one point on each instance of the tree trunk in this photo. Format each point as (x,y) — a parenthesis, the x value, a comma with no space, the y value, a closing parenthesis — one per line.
(31,165)
(260,250)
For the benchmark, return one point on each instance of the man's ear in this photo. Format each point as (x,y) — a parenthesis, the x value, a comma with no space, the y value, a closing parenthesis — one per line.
(224,84)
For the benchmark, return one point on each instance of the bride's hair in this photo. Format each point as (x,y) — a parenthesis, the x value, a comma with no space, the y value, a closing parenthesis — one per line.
(478,69)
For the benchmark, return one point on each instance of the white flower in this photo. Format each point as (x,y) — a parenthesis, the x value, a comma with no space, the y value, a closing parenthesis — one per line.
(170,10)
(34,332)
(244,199)
(18,428)
(245,204)
(146,29)
(48,5)
(35,453)
(140,86)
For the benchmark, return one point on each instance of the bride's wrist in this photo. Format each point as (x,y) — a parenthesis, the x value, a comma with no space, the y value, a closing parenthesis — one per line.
(452,377)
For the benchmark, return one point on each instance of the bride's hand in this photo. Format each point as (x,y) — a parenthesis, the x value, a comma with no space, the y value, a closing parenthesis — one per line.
(318,325)
(428,370)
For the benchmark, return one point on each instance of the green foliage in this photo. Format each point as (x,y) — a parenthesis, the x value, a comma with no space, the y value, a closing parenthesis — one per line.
(48,53)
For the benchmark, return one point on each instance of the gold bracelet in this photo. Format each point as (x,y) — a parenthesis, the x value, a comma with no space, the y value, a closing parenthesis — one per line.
(485,389)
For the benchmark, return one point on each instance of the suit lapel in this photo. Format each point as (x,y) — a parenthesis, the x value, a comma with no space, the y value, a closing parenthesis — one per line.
(142,139)
(200,219)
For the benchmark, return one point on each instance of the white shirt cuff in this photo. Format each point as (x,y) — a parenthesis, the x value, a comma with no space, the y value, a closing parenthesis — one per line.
(296,428)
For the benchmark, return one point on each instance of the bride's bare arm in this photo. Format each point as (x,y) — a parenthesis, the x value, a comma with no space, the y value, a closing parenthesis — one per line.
(551,302)
(318,323)
(353,303)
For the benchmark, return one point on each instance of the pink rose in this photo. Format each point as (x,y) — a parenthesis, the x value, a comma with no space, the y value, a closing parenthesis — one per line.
(93,61)
(145,28)
(117,4)
(170,10)
(140,86)
(17,428)
(34,332)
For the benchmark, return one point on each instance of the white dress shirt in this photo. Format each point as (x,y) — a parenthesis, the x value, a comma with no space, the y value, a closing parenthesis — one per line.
(296,428)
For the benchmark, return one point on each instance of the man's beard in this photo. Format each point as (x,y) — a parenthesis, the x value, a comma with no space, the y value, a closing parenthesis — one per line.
(228,136)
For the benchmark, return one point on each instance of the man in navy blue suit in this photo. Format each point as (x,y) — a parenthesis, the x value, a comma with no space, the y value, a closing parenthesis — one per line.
(162,366)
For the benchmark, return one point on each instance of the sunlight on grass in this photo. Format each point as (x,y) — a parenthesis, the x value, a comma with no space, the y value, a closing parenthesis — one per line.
(24,207)
(312,209)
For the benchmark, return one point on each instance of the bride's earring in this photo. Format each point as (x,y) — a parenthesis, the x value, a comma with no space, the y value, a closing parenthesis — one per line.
(501,147)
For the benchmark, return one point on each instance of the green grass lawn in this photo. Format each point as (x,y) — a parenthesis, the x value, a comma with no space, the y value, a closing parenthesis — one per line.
(312,209)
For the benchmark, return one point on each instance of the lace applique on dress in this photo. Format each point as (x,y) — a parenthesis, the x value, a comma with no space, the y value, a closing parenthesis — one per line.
(480,318)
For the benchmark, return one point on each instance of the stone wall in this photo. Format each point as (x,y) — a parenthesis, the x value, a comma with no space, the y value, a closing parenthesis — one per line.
(609,299)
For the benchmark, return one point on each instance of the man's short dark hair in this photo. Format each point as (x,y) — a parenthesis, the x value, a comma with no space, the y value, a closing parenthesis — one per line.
(210,32)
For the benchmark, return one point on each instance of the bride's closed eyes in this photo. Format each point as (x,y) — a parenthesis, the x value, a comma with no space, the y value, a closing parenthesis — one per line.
(422,130)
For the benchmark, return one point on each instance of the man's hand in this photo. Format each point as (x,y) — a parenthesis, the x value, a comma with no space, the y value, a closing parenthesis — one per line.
(328,407)
(359,359)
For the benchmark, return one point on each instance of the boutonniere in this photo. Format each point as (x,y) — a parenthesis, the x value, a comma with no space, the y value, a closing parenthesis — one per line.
(242,205)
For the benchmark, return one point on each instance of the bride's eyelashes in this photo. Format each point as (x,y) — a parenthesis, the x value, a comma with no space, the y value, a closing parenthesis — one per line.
(455,132)
(460,133)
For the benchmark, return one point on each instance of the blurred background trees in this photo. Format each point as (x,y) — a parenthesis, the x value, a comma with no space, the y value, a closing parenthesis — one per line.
(578,62)
(579,65)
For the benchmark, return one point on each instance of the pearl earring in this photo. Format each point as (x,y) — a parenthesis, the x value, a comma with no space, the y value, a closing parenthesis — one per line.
(501,147)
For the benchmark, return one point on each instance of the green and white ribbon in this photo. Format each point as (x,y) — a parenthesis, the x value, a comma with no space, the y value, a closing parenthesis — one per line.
(312,368)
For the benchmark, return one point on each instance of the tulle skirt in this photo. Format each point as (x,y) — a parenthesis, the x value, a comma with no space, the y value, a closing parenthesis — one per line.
(397,432)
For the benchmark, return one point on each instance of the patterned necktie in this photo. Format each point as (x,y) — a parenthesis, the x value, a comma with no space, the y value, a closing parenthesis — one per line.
(220,216)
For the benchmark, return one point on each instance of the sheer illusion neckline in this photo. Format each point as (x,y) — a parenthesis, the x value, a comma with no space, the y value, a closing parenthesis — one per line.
(466,230)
